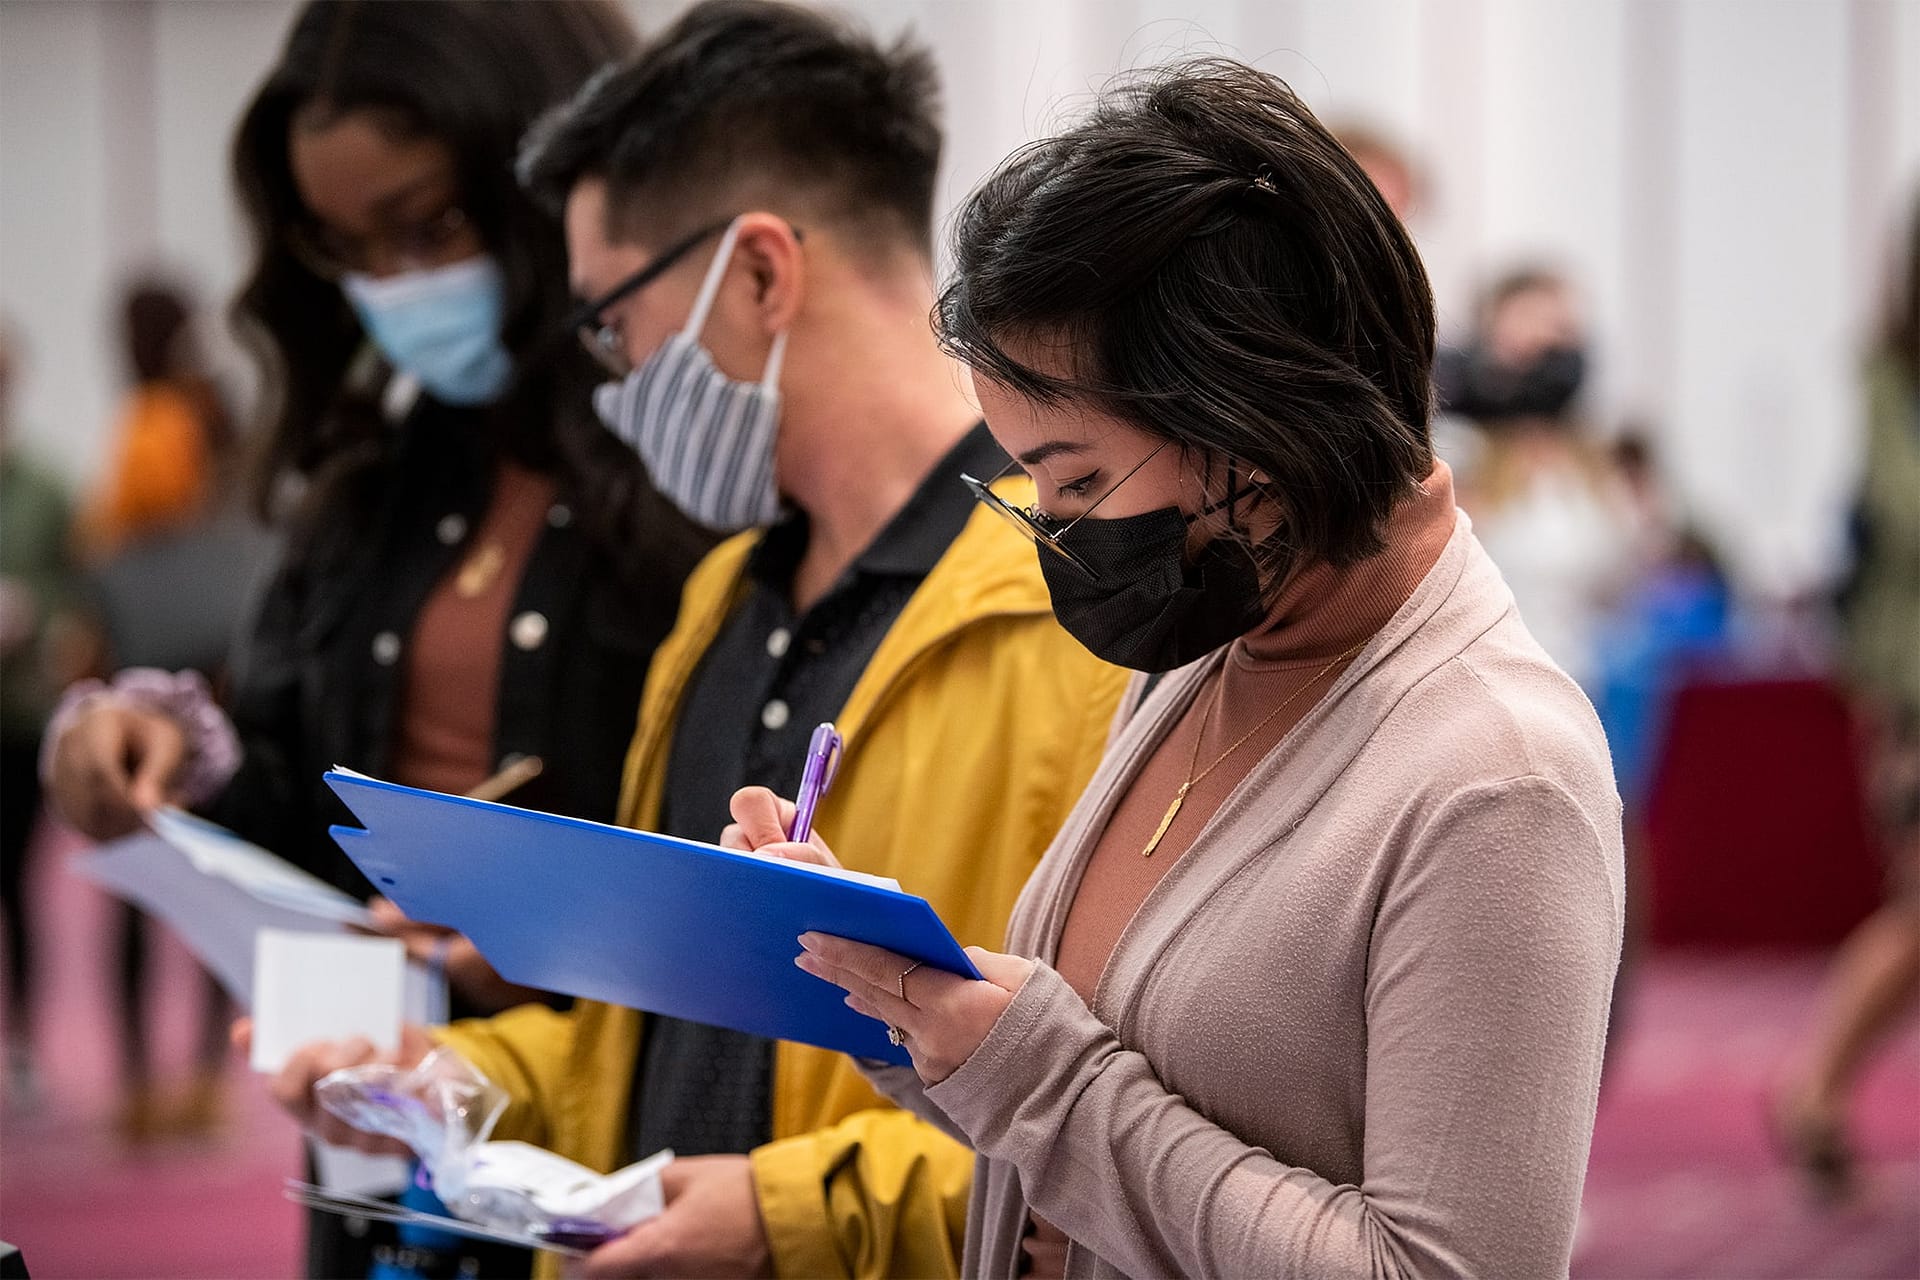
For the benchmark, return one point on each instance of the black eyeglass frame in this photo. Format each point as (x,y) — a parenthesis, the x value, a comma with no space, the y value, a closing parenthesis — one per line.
(307,242)
(599,337)
(1035,524)
(602,339)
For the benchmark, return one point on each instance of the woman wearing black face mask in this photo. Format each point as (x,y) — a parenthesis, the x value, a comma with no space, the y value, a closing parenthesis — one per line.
(1315,979)
(1527,360)
(1547,504)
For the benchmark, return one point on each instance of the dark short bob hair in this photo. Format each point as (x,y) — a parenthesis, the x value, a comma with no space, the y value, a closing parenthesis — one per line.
(1226,278)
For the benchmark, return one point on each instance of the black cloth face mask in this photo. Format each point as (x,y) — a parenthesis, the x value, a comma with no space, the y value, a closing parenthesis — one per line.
(1471,383)
(1140,603)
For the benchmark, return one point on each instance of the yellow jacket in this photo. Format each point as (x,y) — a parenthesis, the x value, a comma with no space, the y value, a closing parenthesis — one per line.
(969,737)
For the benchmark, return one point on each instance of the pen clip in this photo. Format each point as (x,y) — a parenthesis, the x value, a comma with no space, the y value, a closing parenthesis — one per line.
(836,747)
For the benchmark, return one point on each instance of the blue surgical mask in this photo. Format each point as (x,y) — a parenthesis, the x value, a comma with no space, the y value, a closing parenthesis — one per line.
(441,325)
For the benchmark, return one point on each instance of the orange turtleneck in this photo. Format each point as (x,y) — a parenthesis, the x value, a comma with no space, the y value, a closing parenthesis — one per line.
(1323,614)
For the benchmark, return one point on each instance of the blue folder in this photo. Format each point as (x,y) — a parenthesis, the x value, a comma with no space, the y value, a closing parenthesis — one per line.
(651,922)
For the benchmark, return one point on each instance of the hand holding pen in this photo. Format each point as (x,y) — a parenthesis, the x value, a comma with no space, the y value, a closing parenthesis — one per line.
(765,823)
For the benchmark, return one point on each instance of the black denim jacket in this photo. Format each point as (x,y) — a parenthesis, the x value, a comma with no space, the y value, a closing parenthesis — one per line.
(316,683)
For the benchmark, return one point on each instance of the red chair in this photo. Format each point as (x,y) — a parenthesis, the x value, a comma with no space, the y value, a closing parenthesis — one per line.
(1756,823)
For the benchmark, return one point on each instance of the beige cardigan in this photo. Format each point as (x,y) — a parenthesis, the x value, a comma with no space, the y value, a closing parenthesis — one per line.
(1357,1029)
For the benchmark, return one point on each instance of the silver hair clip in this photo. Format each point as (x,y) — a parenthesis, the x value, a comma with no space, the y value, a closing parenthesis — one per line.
(1264,182)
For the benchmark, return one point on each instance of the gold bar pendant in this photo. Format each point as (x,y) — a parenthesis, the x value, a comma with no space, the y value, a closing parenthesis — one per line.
(1173,810)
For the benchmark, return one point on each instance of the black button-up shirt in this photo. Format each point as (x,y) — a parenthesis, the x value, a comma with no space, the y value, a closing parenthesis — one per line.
(768,679)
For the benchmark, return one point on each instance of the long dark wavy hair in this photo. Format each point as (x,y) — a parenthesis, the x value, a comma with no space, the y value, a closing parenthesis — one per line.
(472,75)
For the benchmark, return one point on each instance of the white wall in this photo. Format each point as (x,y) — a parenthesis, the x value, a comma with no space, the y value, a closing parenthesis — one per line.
(1722,176)
(55,264)
(115,117)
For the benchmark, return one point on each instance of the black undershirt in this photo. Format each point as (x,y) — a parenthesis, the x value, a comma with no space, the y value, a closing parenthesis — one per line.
(763,685)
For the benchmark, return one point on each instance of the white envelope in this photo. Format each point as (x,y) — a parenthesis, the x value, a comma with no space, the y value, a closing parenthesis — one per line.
(316,986)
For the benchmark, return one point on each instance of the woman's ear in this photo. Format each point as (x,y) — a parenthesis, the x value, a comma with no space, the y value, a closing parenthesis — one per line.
(769,247)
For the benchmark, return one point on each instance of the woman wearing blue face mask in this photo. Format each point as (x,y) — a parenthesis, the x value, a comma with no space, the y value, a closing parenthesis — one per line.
(475,572)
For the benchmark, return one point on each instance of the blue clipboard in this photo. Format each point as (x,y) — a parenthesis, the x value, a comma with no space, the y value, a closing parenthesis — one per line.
(631,918)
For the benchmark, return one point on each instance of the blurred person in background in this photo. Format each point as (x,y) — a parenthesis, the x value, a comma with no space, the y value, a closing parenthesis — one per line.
(172,430)
(1876,973)
(1674,612)
(1387,164)
(173,554)
(1545,502)
(1650,501)
(36,585)
(475,573)
(165,585)
(1672,616)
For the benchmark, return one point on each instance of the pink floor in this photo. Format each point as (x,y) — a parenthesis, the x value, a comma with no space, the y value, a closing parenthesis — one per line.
(74,1198)
(1682,1183)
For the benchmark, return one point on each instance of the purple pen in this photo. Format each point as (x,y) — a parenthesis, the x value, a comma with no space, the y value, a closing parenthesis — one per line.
(823,761)
(583,1234)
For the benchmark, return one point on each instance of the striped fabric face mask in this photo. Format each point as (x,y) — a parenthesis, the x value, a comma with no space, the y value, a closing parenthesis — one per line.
(707,440)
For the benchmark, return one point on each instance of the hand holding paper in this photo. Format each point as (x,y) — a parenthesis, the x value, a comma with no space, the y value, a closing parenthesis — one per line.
(115,764)
(220,894)
(711,1226)
(444,1110)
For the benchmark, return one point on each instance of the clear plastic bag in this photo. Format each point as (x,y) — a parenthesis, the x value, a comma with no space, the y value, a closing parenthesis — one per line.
(444,1109)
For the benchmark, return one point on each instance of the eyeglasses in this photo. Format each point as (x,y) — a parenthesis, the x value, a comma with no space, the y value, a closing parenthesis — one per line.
(406,246)
(602,338)
(1036,525)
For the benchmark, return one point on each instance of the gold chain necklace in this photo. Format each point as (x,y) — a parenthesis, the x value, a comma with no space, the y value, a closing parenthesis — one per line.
(1206,716)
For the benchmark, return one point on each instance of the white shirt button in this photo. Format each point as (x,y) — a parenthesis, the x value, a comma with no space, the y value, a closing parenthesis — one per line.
(451,529)
(774,715)
(528,631)
(777,641)
(386,648)
(559,515)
